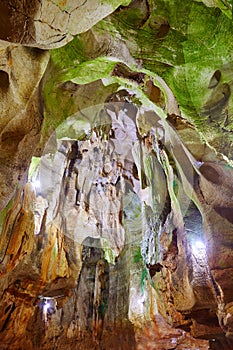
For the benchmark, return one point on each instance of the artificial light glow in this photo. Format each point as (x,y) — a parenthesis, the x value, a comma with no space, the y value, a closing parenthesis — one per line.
(35,183)
(199,245)
(46,306)
(199,248)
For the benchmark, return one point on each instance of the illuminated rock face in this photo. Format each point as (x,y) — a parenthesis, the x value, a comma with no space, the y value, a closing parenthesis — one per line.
(47,24)
(21,113)
(119,234)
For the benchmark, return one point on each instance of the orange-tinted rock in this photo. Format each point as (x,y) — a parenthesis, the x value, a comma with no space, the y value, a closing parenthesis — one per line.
(158,335)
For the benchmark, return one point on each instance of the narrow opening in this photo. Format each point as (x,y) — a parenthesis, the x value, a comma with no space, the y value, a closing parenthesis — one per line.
(215,79)
(4,81)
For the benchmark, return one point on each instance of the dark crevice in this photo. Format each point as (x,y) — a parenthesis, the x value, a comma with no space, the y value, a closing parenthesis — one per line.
(163,30)
(215,79)
(10,309)
(225,212)
(217,102)
(72,157)
(4,81)
(166,210)
(210,174)
(122,70)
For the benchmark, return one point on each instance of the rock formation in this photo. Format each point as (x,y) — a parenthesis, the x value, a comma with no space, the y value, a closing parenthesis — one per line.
(116,175)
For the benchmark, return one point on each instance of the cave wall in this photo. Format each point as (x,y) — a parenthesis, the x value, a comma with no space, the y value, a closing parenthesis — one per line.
(116,175)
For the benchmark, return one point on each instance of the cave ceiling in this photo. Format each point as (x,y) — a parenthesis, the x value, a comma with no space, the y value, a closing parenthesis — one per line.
(116,172)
